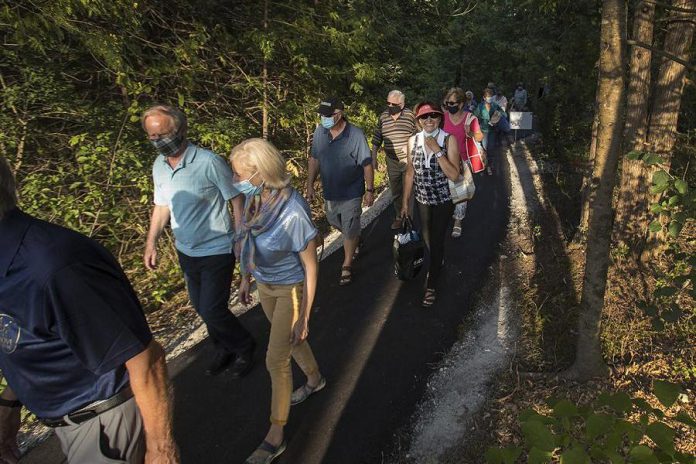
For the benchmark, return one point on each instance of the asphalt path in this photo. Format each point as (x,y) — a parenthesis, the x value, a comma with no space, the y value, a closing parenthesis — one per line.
(374,343)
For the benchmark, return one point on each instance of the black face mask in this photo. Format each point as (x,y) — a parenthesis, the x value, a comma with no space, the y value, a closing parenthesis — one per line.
(452,109)
(394,110)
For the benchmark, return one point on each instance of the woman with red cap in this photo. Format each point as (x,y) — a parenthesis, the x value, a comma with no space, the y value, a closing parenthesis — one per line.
(433,157)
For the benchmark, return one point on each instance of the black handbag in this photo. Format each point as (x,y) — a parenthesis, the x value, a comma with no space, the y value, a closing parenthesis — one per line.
(408,252)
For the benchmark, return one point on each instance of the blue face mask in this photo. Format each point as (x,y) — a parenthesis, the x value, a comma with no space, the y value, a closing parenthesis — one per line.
(327,122)
(489,99)
(248,189)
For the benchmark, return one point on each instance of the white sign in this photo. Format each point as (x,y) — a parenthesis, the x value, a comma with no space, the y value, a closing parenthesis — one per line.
(520,120)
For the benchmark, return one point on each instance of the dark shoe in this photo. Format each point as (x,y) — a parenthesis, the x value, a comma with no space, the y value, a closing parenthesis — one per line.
(429,298)
(220,361)
(302,393)
(243,363)
(397,224)
(346,276)
(266,453)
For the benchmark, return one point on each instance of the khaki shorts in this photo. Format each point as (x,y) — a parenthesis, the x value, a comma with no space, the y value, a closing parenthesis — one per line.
(345,216)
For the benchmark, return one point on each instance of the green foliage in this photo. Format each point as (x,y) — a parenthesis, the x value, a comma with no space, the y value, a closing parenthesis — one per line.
(76,75)
(615,429)
(675,205)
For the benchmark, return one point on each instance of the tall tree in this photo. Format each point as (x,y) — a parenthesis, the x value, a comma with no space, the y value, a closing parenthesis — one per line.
(657,133)
(610,99)
(633,173)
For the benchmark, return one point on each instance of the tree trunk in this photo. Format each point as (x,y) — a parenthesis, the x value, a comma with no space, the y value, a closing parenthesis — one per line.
(669,87)
(581,234)
(610,98)
(264,117)
(633,172)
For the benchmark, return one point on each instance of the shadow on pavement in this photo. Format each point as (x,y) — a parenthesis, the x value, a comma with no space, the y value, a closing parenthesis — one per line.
(374,343)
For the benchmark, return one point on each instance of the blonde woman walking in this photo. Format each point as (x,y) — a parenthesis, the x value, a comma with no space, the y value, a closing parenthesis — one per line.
(278,248)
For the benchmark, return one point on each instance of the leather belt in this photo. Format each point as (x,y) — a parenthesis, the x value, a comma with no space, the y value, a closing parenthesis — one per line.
(91,410)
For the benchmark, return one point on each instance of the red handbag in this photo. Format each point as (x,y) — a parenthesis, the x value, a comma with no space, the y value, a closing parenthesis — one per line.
(475,155)
(473,151)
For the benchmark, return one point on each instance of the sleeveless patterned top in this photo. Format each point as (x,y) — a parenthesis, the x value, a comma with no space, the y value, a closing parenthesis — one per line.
(430,182)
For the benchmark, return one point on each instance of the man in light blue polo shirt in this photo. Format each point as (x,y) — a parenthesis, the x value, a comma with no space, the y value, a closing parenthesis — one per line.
(192,190)
(340,153)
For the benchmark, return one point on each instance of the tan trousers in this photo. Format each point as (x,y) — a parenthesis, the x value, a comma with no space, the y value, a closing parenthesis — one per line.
(281,303)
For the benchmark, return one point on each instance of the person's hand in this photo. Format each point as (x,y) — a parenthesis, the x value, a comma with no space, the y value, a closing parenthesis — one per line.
(300,331)
(432,144)
(150,256)
(244,293)
(166,455)
(10,419)
(369,198)
(310,193)
(405,212)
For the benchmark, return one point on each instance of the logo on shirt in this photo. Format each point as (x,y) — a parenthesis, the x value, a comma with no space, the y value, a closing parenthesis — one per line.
(9,333)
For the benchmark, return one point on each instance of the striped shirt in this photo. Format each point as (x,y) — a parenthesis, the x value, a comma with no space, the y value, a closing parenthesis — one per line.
(395,134)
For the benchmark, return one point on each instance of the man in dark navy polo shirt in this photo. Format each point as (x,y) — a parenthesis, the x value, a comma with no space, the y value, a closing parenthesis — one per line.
(340,153)
(75,347)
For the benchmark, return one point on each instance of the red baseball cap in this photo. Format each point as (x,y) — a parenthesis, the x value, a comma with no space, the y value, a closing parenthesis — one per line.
(427,108)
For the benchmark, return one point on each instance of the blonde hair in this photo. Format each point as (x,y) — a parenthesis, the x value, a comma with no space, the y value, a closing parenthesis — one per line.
(457,92)
(177,117)
(261,155)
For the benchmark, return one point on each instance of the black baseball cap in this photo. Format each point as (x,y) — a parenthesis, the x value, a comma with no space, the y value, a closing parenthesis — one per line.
(329,105)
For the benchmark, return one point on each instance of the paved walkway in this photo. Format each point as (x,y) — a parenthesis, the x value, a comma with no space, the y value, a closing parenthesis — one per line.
(374,343)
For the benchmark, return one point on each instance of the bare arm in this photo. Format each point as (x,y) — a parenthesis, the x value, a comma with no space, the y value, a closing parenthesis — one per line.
(150,383)
(369,173)
(238,211)
(408,180)
(311,177)
(375,149)
(478,136)
(450,163)
(158,221)
(308,257)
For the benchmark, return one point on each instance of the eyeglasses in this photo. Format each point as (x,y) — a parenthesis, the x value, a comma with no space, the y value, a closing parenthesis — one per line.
(393,104)
(429,116)
(452,103)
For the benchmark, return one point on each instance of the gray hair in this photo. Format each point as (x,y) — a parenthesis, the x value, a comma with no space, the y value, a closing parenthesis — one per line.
(8,188)
(398,94)
(177,117)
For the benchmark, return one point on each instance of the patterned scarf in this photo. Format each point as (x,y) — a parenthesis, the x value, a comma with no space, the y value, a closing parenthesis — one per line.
(258,218)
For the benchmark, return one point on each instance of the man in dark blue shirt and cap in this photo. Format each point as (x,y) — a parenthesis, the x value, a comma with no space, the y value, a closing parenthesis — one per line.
(341,155)
(75,347)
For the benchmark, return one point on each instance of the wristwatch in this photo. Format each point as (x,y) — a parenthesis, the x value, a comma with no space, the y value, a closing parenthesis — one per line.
(370,189)
(439,154)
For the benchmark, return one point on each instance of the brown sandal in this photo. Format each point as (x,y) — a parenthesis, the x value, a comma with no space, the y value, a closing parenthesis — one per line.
(346,276)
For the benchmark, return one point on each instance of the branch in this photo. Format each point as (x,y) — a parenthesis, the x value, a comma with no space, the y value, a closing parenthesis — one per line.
(663,53)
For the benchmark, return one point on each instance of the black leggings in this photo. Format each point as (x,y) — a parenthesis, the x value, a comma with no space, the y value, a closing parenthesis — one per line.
(434,221)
